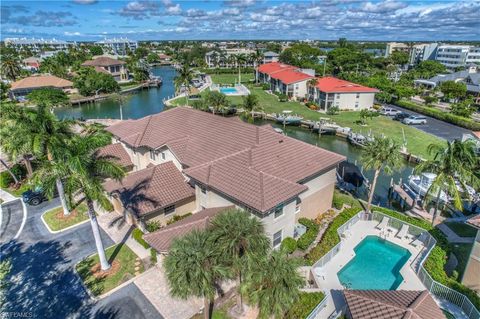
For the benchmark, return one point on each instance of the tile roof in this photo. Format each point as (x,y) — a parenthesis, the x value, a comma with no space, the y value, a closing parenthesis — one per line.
(334,85)
(41,81)
(391,304)
(474,221)
(103,61)
(290,76)
(152,188)
(260,159)
(162,238)
(273,67)
(118,152)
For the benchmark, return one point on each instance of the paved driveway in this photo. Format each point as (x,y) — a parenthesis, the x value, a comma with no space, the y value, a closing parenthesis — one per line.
(436,127)
(43,282)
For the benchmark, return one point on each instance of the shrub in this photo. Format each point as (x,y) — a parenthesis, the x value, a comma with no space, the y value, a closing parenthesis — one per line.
(305,304)
(330,237)
(339,199)
(289,245)
(137,234)
(282,97)
(153,225)
(176,218)
(444,116)
(333,110)
(312,231)
(265,86)
(6,179)
(153,256)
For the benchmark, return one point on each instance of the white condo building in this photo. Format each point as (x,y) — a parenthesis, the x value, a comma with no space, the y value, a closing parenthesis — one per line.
(119,46)
(453,56)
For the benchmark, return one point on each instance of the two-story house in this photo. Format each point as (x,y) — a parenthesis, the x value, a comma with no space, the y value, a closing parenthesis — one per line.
(114,67)
(225,162)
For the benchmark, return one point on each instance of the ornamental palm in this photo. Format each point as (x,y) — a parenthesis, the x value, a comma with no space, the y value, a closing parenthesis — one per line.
(194,268)
(184,79)
(452,164)
(241,241)
(273,284)
(10,67)
(251,104)
(87,171)
(381,154)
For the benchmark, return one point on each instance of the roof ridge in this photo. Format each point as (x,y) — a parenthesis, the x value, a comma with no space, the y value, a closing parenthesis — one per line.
(382,301)
(262,192)
(420,298)
(145,129)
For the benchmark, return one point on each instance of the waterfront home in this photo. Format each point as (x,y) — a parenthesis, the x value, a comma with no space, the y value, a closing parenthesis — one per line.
(269,57)
(332,92)
(286,79)
(20,89)
(391,304)
(31,63)
(226,162)
(114,67)
(471,277)
(164,59)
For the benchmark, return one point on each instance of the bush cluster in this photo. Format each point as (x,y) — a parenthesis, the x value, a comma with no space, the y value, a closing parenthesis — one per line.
(339,199)
(265,86)
(153,225)
(6,179)
(176,218)
(289,245)
(153,256)
(304,305)
(137,234)
(312,231)
(330,237)
(444,116)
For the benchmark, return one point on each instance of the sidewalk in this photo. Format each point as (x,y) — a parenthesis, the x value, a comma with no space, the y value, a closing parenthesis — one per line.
(452,237)
(6,196)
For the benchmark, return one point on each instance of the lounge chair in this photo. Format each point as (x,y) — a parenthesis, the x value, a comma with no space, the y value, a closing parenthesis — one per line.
(419,241)
(383,224)
(403,231)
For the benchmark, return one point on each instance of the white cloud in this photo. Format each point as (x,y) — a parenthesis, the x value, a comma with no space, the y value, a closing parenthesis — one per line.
(383,7)
(72,34)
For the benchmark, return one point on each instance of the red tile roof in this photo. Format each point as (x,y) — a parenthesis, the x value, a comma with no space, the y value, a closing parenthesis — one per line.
(163,238)
(290,76)
(392,304)
(152,188)
(117,152)
(474,221)
(244,160)
(271,68)
(39,81)
(334,85)
(103,61)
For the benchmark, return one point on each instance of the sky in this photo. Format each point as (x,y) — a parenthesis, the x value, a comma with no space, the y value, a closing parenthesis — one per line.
(93,20)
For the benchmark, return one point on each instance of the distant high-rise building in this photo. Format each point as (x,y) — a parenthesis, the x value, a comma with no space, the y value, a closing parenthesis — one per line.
(423,52)
(119,46)
(37,45)
(454,56)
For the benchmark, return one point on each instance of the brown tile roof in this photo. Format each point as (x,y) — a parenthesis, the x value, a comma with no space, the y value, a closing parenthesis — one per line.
(103,61)
(40,81)
(474,221)
(236,158)
(162,239)
(152,188)
(117,152)
(392,304)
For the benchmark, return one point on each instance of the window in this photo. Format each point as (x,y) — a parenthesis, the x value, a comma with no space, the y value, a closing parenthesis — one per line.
(203,190)
(356,104)
(358,95)
(163,155)
(169,209)
(278,212)
(298,205)
(152,155)
(277,238)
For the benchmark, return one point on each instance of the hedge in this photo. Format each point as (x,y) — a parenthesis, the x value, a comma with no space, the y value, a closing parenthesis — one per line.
(289,245)
(339,199)
(137,234)
(444,116)
(153,256)
(304,305)
(330,237)
(176,218)
(312,231)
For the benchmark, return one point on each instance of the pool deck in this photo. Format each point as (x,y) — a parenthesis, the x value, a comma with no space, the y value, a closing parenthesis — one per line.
(329,280)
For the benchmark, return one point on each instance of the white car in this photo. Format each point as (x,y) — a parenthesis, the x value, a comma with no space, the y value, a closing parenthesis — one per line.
(389,111)
(414,119)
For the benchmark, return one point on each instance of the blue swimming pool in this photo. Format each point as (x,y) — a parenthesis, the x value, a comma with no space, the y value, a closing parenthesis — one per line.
(376,265)
(228,90)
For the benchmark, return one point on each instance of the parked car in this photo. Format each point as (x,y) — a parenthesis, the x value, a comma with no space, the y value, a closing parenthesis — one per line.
(389,111)
(35,197)
(415,119)
(401,116)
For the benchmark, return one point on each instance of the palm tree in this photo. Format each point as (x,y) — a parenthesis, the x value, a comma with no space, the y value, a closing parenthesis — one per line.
(194,268)
(241,241)
(251,104)
(241,59)
(87,171)
(381,154)
(455,163)
(120,99)
(217,100)
(273,284)
(10,67)
(183,79)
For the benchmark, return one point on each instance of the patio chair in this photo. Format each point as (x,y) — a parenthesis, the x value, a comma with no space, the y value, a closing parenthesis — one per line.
(383,224)
(403,231)
(419,241)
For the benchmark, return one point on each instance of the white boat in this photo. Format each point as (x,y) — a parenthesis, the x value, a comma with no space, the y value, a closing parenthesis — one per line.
(421,183)
(358,139)
(278,130)
(287,118)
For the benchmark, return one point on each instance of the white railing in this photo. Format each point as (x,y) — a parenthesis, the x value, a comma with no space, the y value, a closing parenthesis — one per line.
(435,288)
(318,308)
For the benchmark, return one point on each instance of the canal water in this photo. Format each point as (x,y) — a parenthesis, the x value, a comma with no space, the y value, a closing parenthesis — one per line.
(138,104)
(150,101)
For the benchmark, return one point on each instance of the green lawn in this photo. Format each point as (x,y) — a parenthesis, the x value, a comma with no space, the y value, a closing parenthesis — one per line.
(56,221)
(462,229)
(462,252)
(122,260)
(230,78)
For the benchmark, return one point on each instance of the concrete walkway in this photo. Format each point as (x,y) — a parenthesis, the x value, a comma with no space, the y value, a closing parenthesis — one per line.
(6,196)
(452,237)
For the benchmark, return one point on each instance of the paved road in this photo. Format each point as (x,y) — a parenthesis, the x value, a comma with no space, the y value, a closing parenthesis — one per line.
(43,282)
(436,127)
